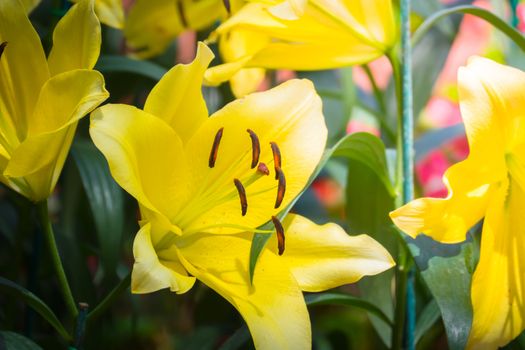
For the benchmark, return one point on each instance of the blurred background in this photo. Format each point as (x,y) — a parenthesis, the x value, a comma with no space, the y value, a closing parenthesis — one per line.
(95,221)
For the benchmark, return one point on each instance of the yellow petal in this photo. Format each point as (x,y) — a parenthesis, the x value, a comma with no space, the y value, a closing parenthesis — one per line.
(177,97)
(498,284)
(201,14)
(325,55)
(151,26)
(63,100)
(219,74)
(289,115)
(76,39)
(151,273)
(448,220)
(246,81)
(491,99)
(289,9)
(23,69)
(325,256)
(144,154)
(273,307)
(110,12)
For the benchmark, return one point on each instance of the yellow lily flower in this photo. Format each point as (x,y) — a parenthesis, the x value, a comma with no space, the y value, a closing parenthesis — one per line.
(204,184)
(489,184)
(300,35)
(151,26)
(41,101)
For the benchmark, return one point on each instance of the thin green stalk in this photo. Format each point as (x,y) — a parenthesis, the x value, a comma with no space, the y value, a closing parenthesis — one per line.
(43,216)
(110,298)
(378,94)
(398,331)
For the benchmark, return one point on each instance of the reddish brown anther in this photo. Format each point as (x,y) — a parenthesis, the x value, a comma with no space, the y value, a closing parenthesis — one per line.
(215,148)
(242,196)
(276,157)
(263,169)
(2,47)
(281,188)
(280,234)
(256,148)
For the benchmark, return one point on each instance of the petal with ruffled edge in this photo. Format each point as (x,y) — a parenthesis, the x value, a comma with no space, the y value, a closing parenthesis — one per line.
(448,219)
(76,39)
(498,284)
(273,308)
(63,100)
(491,100)
(150,273)
(177,97)
(145,156)
(325,256)
(289,115)
(23,70)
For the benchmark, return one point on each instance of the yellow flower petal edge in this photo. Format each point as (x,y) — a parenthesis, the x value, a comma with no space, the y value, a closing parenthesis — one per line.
(41,103)
(302,35)
(204,188)
(322,257)
(489,184)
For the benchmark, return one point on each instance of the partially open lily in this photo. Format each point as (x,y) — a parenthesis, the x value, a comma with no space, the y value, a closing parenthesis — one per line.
(489,184)
(41,101)
(300,35)
(151,26)
(204,185)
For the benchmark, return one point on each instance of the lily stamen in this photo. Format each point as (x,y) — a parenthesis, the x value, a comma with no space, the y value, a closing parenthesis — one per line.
(281,188)
(215,148)
(276,157)
(2,47)
(256,148)
(242,196)
(280,234)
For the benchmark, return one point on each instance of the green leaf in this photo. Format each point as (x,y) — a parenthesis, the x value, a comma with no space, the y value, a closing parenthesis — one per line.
(122,64)
(347,300)
(447,269)
(10,288)
(488,16)
(368,150)
(15,341)
(237,340)
(367,206)
(426,320)
(105,200)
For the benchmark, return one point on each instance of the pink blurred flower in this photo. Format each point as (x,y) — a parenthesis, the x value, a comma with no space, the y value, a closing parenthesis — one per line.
(360,126)
(381,70)
(521,17)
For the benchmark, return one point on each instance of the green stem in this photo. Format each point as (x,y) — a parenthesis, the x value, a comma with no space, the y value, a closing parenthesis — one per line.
(43,216)
(109,299)
(488,16)
(398,84)
(378,94)
(401,299)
